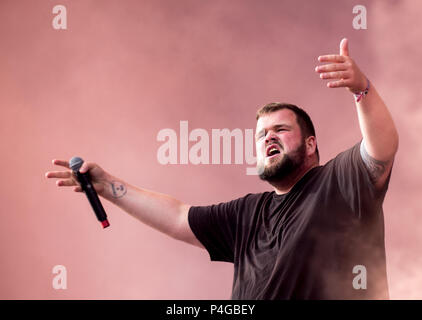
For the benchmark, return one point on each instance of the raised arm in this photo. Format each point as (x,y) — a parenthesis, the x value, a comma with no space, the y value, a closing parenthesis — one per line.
(380,138)
(160,211)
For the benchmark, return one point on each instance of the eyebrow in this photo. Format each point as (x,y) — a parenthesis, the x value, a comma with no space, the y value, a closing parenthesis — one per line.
(274,127)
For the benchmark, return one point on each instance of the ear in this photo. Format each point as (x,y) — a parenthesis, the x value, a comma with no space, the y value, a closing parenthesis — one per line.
(311,144)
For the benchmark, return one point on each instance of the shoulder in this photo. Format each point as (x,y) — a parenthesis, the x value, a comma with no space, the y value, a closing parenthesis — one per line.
(379,170)
(345,160)
(356,165)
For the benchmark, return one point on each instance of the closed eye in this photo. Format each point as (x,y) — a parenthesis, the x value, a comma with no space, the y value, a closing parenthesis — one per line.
(277,128)
(259,136)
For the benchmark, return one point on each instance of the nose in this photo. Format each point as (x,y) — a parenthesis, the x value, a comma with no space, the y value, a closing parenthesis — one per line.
(271,136)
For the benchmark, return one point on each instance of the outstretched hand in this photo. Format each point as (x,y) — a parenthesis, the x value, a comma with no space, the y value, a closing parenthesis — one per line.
(68,178)
(342,70)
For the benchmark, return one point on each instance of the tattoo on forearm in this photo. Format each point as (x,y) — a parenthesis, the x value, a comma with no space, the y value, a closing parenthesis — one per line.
(376,168)
(119,189)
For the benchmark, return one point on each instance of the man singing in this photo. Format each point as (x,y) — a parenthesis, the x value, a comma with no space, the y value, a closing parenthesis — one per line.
(319,234)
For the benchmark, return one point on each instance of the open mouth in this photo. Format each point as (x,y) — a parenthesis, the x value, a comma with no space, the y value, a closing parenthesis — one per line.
(272,150)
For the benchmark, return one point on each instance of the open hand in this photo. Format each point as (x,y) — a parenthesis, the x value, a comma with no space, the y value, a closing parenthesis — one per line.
(67,178)
(342,70)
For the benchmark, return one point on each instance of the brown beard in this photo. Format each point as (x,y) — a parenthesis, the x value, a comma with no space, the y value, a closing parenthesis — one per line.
(287,165)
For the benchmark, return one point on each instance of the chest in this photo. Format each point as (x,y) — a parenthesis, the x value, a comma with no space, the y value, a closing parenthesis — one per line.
(298,222)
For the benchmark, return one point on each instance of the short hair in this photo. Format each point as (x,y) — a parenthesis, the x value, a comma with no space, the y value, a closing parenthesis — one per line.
(302,118)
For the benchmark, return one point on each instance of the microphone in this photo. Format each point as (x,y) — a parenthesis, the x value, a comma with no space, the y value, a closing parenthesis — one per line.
(85,180)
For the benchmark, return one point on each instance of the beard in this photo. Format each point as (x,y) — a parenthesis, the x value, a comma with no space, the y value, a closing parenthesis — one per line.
(283,167)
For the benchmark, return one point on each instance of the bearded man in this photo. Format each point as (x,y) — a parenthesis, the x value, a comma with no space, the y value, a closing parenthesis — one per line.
(319,234)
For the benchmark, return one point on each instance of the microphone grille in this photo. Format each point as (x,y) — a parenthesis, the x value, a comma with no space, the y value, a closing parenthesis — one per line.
(75,163)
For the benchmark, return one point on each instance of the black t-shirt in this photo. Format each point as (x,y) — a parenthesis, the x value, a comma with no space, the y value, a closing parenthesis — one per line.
(309,243)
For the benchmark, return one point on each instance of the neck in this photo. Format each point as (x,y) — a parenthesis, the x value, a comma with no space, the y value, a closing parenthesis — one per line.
(284,186)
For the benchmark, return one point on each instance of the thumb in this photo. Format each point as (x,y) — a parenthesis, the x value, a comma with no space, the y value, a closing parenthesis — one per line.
(84,168)
(344,47)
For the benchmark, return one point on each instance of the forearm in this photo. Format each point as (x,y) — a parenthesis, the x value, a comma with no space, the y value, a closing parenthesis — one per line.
(376,124)
(377,127)
(160,211)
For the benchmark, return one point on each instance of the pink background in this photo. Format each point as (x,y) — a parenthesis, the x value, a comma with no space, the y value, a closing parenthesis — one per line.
(123,71)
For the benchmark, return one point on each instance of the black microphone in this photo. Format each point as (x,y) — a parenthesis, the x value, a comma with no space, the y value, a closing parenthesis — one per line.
(85,180)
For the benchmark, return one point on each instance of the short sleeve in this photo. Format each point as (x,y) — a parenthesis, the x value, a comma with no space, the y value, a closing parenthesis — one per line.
(215,227)
(355,183)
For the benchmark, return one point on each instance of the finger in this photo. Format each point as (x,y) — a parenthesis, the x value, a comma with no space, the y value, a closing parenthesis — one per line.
(331,67)
(344,47)
(338,84)
(77,189)
(86,166)
(335,75)
(332,58)
(58,174)
(62,163)
(66,183)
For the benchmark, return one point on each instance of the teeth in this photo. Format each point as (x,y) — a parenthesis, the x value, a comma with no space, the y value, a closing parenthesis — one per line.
(272,150)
